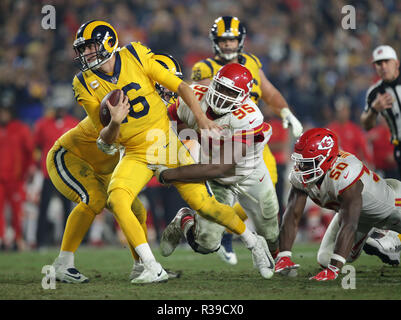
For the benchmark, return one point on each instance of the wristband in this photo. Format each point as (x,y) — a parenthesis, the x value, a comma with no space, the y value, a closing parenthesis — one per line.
(374,110)
(338,258)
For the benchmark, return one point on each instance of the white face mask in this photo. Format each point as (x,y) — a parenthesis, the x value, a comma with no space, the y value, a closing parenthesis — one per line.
(222,103)
(307,170)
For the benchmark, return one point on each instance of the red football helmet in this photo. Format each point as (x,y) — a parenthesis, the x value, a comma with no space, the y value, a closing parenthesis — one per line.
(314,154)
(229,88)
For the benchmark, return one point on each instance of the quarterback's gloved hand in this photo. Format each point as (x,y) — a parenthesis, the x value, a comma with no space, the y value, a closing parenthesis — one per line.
(109,149)
(331,273)
(290,119)
(284,265)
(157,170)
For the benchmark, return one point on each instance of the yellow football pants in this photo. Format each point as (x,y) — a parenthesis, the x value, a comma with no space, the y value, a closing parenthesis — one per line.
(77,181)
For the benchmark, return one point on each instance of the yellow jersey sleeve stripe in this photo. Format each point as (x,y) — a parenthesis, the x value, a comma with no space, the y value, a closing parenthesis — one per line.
(209,65)
(81,79)
(131,49)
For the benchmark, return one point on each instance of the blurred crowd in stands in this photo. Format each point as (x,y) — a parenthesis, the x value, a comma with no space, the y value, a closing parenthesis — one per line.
(321,69)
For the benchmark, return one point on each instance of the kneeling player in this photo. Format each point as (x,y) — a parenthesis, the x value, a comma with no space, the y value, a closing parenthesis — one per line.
(336,180)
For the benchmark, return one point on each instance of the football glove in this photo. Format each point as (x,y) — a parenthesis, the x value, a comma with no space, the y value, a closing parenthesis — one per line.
(109,149)
(290,119)
(157,170)
(331,273)
(284,265)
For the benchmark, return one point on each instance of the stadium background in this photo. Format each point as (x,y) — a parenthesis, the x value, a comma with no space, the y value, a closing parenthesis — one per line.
(304,51)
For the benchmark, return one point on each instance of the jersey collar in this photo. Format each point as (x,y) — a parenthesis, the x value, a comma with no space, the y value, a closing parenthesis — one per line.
(116,73)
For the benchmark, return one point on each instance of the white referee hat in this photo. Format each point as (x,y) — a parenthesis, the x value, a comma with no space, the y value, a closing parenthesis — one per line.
(384,53)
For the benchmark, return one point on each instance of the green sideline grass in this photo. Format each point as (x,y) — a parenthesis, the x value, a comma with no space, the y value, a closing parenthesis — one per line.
(204,277)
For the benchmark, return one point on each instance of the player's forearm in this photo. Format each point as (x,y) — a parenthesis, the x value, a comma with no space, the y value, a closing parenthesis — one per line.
(350,212)
(109,134)
(345,240)
(276,101)
(289,229)
(196,173)
(186,94)
(368,119)
(291,218)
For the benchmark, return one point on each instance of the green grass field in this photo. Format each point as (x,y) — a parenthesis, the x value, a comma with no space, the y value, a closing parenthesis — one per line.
(204,277)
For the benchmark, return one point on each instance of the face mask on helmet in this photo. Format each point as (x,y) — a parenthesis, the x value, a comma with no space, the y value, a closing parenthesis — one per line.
(229,88)
(227,28)
(171,64)
(95,43)
(315,153)
(307,170)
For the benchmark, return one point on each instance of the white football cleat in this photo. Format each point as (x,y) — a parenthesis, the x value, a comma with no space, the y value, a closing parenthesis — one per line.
(153,272)
(136,271)
(69,274)
(387,248)
(138,268)
(172,235)
(262,258)
(226,252)
(228,257)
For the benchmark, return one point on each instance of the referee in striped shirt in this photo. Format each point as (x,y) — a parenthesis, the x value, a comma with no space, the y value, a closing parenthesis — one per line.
(384,97)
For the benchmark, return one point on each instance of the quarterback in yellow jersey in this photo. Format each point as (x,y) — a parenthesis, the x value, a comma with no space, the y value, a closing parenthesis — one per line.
(139,122)
(228,35)
(81,172)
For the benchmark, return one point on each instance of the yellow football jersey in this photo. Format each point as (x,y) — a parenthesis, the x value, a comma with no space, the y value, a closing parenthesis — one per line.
(81,141)
(207,68)
(134,73)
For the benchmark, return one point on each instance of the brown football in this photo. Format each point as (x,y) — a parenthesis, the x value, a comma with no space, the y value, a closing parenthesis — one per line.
(104,113)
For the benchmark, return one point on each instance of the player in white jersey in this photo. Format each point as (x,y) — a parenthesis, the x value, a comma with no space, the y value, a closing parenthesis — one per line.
(339,181)
(243,178)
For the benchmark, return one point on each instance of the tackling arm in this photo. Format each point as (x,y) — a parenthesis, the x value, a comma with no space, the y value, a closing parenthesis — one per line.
(202,172)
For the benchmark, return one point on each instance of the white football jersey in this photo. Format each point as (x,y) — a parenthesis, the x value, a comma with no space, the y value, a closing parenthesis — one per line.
(245,125)
(379,200)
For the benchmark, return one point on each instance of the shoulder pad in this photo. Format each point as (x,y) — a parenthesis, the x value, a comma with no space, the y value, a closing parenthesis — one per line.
(202,70)
(346,171)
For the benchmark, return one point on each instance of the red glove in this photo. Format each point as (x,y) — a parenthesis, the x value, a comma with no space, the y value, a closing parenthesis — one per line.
(331,273)
(284,265)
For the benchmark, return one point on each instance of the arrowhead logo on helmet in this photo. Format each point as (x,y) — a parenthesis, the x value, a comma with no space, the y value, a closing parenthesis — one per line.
(326,143)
